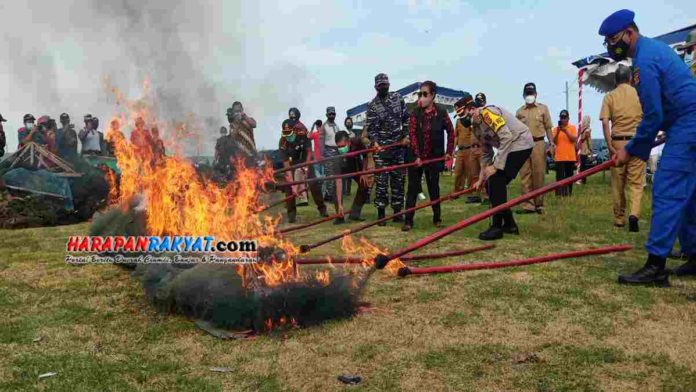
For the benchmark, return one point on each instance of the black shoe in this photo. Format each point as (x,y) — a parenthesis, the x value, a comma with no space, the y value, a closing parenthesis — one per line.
(650,274)
(339,221)
(398,219)
(493,233)
(380,215)
(686,269)
(406,227)
(511,229)
(356,218)
(525,211)
(323,213)
(633,224)
(473,199)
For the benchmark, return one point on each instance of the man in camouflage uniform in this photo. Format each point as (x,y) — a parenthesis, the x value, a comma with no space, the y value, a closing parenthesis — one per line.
(387,123)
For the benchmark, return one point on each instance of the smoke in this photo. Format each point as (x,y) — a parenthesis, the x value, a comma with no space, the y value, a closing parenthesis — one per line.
(198,60)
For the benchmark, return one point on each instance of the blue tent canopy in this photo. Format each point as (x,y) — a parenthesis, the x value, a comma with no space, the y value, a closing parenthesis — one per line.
(445,97)
(673,38)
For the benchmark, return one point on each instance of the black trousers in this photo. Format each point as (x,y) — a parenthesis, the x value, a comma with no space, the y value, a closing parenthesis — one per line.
(564,170)
(497,183)
(432,180)
(584,165)
(314,190)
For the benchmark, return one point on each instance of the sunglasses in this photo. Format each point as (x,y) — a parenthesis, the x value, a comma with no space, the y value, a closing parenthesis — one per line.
(424,94)
(613,40)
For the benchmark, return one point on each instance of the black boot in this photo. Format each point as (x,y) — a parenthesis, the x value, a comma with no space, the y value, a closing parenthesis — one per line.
(686,269)
(380,215)
(652,273)
(509,225)
(398,219)
(495,232)
(633,224)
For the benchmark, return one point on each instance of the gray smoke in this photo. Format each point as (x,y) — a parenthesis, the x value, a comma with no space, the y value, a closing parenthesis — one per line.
(197,58)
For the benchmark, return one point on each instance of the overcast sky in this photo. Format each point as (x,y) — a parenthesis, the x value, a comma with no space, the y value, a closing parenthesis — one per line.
(272,55)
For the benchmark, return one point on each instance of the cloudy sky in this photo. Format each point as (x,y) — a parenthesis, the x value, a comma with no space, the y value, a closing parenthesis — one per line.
(272,55)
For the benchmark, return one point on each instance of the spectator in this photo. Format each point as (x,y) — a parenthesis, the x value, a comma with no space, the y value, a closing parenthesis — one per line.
(66,138)
(3,140)
(348,122)
(346,144)
(242,131)
(564,137)
(431,135)
(29,133)
(327,139)
(90,138)
(113,137)
(585,145)
(50,128)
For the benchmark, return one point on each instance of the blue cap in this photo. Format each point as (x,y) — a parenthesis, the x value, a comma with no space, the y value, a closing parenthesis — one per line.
(616,22)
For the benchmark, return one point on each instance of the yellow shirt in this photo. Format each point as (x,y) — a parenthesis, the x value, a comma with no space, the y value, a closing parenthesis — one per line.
(565,148)
(622,107)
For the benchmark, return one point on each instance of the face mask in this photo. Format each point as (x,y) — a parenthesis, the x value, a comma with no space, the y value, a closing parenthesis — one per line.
(382,91)
(343,150)
(529,99)
(689,58)
(466,121)
(291,138)
(618,51)
(349,126)
(29,126)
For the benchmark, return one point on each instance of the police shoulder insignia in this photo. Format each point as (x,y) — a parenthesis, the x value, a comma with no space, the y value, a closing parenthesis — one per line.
(636,76)
(493,120)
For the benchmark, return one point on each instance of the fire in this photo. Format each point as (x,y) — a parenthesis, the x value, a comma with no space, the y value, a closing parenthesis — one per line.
(367,252)
(282,322)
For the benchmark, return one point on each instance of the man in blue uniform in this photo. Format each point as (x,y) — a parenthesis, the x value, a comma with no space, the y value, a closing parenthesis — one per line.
(667,94)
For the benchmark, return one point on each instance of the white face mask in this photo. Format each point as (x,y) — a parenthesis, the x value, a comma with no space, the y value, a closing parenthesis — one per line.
(529,99)
(689,58)
(29,125)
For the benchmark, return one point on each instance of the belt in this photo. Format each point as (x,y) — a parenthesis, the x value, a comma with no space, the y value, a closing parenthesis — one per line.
(621,137)
(538,139)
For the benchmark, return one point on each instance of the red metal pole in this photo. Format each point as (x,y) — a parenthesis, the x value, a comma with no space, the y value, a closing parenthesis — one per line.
(346,155)
(403,271)
(360,260)
(306,248)
(382,259)
(300,227)
(361,173)
(279,202)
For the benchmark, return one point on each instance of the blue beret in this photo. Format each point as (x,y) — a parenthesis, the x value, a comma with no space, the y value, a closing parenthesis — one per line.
(616,22)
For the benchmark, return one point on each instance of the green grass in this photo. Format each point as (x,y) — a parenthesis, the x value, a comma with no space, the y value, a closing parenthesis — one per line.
(564,326)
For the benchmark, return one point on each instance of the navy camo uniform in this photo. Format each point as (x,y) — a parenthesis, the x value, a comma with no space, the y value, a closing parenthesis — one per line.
(387,123)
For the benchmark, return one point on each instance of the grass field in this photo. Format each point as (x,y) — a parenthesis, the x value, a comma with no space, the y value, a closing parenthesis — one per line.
(563,326)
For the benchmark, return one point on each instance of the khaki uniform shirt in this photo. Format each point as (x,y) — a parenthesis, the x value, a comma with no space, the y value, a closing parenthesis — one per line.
(463,135)
(496,127)
(622,107)
(536,117)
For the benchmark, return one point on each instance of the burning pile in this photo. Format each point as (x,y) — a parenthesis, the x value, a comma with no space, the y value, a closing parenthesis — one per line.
(160,195)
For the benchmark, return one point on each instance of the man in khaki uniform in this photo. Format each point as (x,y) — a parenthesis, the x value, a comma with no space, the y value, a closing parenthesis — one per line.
(622,108)
(536,117)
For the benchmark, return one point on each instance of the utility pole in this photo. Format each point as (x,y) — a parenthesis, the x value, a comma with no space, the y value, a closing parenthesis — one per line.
(567,94)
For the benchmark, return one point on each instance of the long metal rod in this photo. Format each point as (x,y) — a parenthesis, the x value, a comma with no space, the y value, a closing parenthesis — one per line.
(382,259)
(346,155)
(361,260)
(306,248)
(300,227)
(404,271)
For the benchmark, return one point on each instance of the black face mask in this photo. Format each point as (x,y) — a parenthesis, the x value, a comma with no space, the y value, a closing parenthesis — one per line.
(466,121)
(382,91)
(349,126)
(618,51)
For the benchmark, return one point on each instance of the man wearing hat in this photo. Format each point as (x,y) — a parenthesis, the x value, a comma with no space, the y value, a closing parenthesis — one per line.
(535,115)
(3,140)
(689,48)
(327,139)
(90,138)
(497,128)
(667,93)
(28,132)
(387,123)
(468,164)
(66,138)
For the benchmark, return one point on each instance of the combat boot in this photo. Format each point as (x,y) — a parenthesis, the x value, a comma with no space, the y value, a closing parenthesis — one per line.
(495,232)
(652,273)
(687,269)
(380,215)
(633,224)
